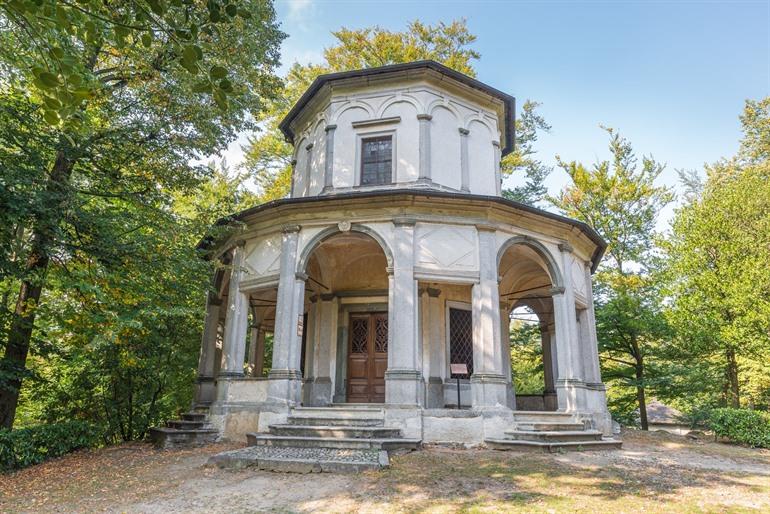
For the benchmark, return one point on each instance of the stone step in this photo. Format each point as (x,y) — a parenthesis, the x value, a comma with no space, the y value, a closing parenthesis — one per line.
(554,435)
(543,417)
(165,437)
(340,431)
(302,460)
(363,411)
(552,447)
(347,443)
(183,424)
(335,421)
(549,426)
(194,416)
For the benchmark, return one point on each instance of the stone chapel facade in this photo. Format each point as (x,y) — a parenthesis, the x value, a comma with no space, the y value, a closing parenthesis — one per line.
(394,258)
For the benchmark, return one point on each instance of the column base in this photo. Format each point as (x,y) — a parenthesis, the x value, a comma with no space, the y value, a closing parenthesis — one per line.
(404,387)
(489,390)
(434,395)
(284,386)
(205,391)
(570,394)
(319,391)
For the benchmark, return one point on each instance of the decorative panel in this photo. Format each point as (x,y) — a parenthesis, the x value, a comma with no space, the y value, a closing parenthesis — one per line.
(446,247)
(359,335)
(381,334)
(578,278)
(264,257)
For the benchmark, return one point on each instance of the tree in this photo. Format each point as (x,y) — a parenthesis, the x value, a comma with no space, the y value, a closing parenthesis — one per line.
(118,139)
(268,155)
(620,200)
(717,262)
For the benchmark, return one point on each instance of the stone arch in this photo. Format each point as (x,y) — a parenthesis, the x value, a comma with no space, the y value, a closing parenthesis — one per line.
(409,99)
(440,103)
(552,268)
(468,122)
(352,105)
(328,232)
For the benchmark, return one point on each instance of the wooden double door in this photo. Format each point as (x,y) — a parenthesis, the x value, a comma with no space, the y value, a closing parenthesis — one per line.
(367,357)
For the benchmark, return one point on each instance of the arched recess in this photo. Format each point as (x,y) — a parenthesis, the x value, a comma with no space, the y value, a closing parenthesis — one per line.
(528,273)
(553,270)
(330,232)
(345,316)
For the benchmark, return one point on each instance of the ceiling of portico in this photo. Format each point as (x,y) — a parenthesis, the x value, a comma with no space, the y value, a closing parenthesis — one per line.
(347,262)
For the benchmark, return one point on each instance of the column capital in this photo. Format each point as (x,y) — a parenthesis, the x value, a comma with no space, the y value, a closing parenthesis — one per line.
(424,117)
(239,243)
(566,248)
(327,297)
(404,221)
(293,162)
(330,127)
(485,228)
(290,229)
(301,276)
(496,144)
(463,131)
(557,290)
(309,146)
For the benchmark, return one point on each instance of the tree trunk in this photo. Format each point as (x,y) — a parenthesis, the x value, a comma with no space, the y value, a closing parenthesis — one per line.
(733,387)
(640,393)
(23,320)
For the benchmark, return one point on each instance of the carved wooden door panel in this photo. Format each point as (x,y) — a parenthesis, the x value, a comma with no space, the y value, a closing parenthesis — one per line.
(367,357)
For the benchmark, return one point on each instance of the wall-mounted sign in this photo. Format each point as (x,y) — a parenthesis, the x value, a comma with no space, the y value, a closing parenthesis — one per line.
(300,325)
(459,369)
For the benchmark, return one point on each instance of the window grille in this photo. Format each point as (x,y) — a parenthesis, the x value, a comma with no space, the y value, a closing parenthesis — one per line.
(461,339)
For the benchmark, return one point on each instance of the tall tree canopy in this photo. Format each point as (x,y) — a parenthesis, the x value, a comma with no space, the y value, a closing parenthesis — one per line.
(268,155)
(103,108)
(619,198)
(718,257)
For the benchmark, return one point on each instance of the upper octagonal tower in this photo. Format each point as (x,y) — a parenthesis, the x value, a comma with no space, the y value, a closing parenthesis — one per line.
(409,125)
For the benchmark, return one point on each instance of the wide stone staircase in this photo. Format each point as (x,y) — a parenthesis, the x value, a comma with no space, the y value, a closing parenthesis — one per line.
(340,438)
(192,430)
(550,432)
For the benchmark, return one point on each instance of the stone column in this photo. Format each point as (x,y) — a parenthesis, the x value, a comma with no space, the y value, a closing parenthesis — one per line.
(432,321)
(285,377)
(205,392)
(569,383)
(325,329)
(505,353)
(308,167)
(593,375)
(293,177)
(236,321)
(465,173)
(403,379)
(425,171)
(488,383)
(498,173)
(549,367)
(329,159)
(259,352)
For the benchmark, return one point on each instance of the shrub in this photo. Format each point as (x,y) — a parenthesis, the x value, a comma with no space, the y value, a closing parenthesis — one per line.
(743,426)
(27,446)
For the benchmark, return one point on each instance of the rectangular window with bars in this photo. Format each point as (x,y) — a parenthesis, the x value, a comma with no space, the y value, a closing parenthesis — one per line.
(376,160)
(461,339)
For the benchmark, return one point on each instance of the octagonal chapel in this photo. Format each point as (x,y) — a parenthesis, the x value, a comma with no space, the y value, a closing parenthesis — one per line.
(386,280)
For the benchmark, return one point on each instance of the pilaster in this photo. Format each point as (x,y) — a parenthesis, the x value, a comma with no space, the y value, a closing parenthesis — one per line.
(329,159)
(465,174)
(425,170)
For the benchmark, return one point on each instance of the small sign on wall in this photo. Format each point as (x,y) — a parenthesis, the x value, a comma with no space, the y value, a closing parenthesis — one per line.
(300,325)
(458,369)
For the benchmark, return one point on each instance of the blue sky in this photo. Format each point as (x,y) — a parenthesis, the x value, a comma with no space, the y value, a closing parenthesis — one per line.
(671,76)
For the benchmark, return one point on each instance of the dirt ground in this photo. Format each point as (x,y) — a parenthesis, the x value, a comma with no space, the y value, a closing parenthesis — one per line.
(654,472)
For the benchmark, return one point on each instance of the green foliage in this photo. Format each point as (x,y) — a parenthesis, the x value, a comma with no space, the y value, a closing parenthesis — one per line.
(27,446)
(175,34)
(620,200)
(526,358)
(742,426)
(522,161)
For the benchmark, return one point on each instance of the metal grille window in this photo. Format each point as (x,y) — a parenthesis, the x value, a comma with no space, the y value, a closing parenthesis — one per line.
(360,335)
(376,160)
(461,339)
(381,334)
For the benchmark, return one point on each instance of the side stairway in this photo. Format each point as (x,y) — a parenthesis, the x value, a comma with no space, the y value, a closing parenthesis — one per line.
(192,430)
(550,432)
(340,438)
